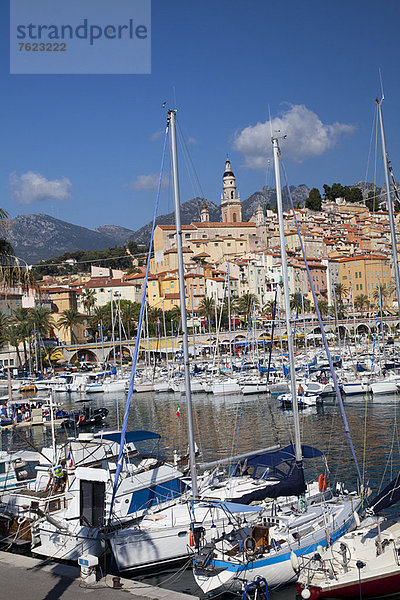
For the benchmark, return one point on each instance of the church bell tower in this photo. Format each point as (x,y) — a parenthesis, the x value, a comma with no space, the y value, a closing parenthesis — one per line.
(231,206)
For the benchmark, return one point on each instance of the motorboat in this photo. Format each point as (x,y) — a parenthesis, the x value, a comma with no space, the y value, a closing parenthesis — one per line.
(64,510)
(85,418)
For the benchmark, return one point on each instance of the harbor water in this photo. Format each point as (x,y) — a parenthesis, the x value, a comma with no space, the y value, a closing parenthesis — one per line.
(225,426)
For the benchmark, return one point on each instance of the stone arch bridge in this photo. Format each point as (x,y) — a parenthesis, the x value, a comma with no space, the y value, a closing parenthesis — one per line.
(93,352)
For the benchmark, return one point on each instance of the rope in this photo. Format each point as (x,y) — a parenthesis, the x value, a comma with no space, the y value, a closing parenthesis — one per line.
(139,329)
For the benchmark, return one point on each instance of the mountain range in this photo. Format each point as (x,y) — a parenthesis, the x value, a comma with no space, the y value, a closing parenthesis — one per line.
(39,237)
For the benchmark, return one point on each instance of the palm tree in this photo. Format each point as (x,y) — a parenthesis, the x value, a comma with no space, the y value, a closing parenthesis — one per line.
(175,315)
(154,317)
(4,323)
(341,291)
(14,337)
(21,319)
(70,317)
(207,309)
(323,307)
(41,320)
(101,317)
(297,302)
(130,314)
(381,291)
(88,299)
(12,272)
(361,302)
(269,308)
(246,304)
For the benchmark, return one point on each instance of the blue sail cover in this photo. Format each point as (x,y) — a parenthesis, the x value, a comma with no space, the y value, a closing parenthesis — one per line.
(131,436)
(388,496)
(293,485)
(281,468)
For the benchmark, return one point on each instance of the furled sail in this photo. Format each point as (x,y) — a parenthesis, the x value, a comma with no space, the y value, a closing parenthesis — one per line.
(388,496)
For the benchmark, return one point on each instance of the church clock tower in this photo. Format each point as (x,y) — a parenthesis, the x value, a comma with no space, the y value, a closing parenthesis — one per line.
(231,206)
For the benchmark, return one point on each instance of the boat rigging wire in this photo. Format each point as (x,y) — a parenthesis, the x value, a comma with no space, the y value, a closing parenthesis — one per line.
(325,341)
(138,334)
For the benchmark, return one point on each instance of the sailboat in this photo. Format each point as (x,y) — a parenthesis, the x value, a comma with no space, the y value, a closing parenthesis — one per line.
(363,563)
(269,548)
(164,536)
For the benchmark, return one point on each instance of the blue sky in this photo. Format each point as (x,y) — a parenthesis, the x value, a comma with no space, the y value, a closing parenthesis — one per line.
(85,148)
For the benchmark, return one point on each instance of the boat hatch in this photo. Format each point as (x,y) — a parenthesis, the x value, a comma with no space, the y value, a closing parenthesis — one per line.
(92,503)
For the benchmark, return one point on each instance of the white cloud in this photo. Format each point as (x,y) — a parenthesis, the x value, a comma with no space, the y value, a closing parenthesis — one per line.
(306,135)
(147,182)
(32,187)
(156,135)
(192,141)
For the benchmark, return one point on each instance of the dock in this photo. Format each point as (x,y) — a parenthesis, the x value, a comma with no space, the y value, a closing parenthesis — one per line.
(26,577)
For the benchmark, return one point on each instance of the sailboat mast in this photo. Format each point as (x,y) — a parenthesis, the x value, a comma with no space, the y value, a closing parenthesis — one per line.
(389,205)
(181,273)
(297,441)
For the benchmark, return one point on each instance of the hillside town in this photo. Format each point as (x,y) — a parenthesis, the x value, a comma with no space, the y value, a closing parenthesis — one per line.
(347,247)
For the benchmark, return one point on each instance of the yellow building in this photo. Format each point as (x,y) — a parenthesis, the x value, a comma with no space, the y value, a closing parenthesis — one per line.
(363,273)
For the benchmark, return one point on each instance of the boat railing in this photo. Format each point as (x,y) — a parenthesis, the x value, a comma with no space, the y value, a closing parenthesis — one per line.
(315,564)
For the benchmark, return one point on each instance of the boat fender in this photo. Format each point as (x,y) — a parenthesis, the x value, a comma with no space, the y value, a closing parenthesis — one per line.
(322,483)
(250,546)
(356,519)
(306,594)
(294,561)
(191,538)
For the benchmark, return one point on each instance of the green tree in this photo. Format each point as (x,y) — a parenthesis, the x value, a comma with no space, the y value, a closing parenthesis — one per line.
(382,291)
(361,302)
(372,202)
(246,304)
(353,194)
(314,200)
(268,308)
(130,314)
(101,317)
(341,292)
(41,320)
(14,338)
(175,315)
(296,302)
(323,307)
(69,319)
(88,299)
(21,318)
(207,309)
(4,323)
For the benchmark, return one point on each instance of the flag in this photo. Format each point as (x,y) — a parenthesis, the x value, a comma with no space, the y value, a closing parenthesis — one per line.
(70,462)
(178,412)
